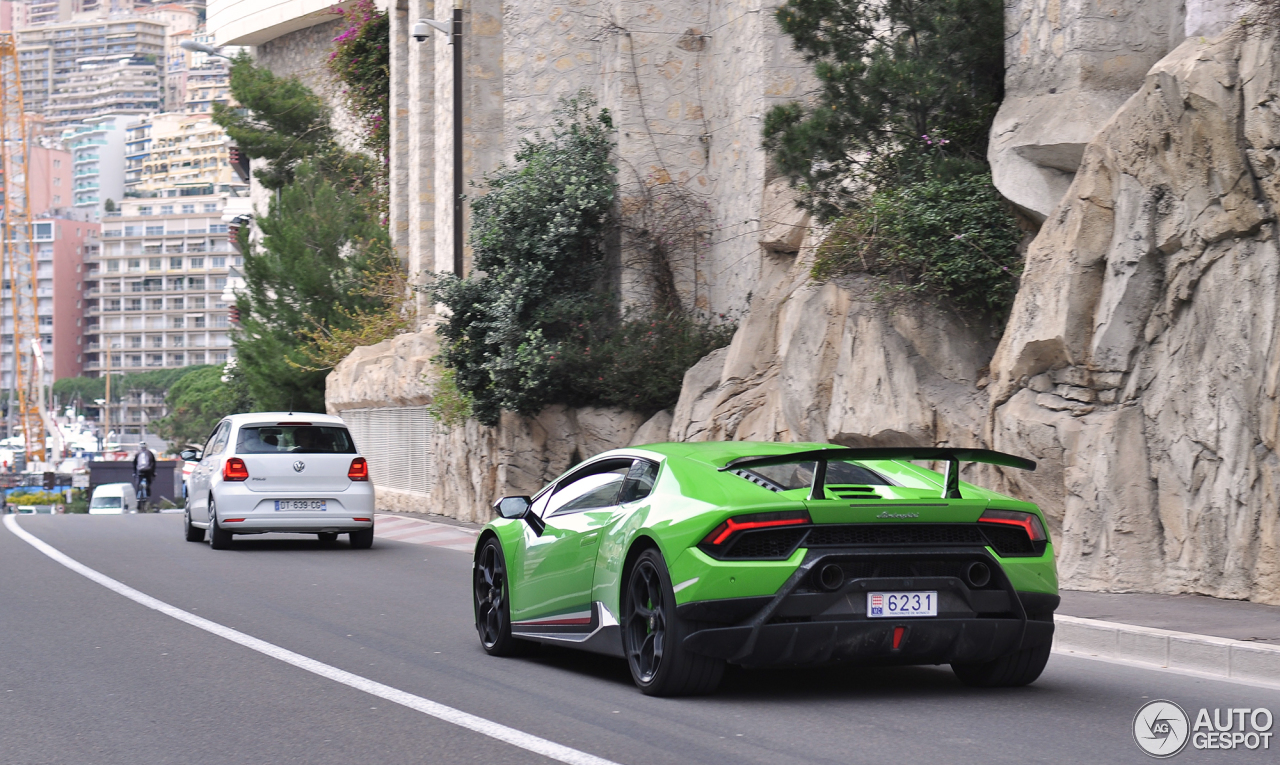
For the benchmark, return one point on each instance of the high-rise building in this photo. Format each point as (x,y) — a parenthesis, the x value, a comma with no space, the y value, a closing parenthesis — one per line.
(157,286)
(62,246)
(106,64)
(49,183)
(176,150)
(97,149)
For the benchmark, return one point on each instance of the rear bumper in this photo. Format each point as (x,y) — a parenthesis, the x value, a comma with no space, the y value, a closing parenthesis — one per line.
(803,625)
(294,523)
(257,509)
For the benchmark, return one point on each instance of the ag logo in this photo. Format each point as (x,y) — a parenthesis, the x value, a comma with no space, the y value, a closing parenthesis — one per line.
(1160,728)
(299,466)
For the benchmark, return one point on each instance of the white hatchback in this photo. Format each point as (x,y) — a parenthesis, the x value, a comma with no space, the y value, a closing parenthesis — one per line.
(266,472)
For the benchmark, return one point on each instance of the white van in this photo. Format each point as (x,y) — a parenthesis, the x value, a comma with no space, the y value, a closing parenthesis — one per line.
(113,499)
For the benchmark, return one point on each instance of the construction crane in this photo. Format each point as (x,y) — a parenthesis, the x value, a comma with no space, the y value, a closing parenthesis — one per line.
(18,252)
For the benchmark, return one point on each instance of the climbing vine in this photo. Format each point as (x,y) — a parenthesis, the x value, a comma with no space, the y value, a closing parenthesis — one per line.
(361,62)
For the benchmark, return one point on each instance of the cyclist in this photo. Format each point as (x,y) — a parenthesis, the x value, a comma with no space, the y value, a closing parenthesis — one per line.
(144,472)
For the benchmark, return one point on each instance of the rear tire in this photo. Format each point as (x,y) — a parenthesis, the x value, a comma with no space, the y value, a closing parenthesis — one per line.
(1009,671)
(194,534)
(362,539)
(219,539)
(327,537)
(653,635)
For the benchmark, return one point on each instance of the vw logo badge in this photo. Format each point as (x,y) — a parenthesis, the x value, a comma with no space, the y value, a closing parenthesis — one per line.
(299,466)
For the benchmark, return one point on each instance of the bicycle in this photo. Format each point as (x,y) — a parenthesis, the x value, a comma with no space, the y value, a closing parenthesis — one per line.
(144,494)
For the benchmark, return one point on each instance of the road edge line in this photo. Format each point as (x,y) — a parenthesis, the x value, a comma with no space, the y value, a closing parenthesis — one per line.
(498,731)
(1180,652)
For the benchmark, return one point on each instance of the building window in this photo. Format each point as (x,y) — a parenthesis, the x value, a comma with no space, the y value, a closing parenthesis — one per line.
(144,210)
(175,264)
(155,359)
(177,321)
(176,341)
(166,209)
(211,207)
(219,282)
(220,357)
(195,282)
(197,358)
(237,261)
(196,302)
(175,304)
(197,322)
(155,264)
(113,266)
(197,262)
(188,209)
(157,341)
(113,305)
(155,230)
(135,264)
(175,359)
(133,304)
(155,304)
(219,261)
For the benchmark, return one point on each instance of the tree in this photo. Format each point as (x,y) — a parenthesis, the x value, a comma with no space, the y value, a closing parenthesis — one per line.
(908,89)
(199,400)
(278,119)
(538,237)
(318,241)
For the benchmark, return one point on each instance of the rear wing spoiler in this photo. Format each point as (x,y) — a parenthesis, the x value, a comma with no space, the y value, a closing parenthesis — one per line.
(953,458)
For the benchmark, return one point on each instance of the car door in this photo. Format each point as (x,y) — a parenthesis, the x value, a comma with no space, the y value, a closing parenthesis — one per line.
(557,568)
(202,474)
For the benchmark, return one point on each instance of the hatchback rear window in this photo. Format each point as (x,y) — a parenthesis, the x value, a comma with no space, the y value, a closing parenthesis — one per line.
(294,439)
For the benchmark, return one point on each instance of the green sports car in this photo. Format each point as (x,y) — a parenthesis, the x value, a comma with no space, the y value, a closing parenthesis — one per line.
(684,557)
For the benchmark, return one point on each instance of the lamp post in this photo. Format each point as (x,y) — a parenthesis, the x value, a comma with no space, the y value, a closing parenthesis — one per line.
(421,31)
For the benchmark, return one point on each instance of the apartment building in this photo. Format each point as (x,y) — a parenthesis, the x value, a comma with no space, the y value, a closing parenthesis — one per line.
(49,184)
(97,147)
(62,247)
(65,59)
(166,151)
(155,296)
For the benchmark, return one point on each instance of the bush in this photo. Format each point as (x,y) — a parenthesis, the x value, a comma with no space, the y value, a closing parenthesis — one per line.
(951,238)
(361,61)
(37,498)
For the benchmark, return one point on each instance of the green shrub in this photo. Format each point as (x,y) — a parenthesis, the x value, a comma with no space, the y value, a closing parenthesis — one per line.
(953,238)
(37,498)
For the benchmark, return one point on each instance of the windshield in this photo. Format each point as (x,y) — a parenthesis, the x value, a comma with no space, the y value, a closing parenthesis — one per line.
(295,439)
(800,475)
(105,502)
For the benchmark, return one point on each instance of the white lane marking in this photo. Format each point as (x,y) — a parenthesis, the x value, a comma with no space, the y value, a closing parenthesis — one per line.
(471,722)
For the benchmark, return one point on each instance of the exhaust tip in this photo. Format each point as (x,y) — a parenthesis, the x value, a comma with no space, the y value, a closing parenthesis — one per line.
(978,574)
(830,577)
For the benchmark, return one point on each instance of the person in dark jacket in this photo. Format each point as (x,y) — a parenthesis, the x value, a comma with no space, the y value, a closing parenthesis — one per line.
(144,467)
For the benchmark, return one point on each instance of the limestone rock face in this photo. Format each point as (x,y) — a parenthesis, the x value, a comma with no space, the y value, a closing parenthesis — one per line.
(1140,364)
(475,464)
(828,362)
(391,373)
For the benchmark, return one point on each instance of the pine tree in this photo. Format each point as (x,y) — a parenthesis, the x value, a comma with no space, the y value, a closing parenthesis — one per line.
(908,88)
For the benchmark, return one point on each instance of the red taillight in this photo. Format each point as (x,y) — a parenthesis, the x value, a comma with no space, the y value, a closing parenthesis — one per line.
(359,470)
(233,520)
(1028,522)
(362,519)
(234,470)
(757,521)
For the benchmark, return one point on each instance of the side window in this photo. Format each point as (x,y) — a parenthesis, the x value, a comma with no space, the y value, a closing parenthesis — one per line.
(640,480)
(598,488)
(219,439)
(213,439)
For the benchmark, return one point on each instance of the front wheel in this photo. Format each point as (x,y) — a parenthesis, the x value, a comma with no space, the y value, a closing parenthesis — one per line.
(492,604)
(1008,671)
(194,534)
(652,634)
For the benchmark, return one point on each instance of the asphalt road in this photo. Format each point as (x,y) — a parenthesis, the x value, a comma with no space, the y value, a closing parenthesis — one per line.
(88,676)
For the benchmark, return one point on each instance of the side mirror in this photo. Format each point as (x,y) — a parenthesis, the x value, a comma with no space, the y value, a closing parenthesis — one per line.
(520,508)
(188,455)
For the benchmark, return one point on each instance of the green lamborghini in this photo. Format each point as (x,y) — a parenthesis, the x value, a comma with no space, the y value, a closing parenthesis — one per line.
(682,558)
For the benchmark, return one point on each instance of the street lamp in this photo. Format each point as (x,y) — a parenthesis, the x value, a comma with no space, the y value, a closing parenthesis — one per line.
(421,31)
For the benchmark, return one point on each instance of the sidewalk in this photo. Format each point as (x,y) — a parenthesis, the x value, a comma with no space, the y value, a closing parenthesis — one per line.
(1190,634)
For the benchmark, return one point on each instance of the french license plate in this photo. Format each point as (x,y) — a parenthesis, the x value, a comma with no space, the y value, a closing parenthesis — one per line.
(882,605)
(300,504)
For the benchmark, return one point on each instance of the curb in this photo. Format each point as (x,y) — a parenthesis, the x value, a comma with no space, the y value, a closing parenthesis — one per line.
(1184,652)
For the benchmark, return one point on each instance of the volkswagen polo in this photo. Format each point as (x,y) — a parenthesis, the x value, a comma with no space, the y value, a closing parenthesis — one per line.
(292,473)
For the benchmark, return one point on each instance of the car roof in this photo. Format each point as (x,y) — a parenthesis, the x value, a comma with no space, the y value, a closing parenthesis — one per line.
(314,418)
(112,487)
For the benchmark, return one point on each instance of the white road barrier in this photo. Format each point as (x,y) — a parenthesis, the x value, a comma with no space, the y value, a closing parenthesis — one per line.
(471,722)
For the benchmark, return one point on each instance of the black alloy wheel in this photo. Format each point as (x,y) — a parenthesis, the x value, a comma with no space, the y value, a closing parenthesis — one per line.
(194,534)
(652,634)
(492,609)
